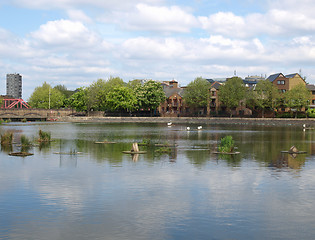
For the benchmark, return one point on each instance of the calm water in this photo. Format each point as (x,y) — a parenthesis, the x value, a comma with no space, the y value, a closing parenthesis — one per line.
(188,193)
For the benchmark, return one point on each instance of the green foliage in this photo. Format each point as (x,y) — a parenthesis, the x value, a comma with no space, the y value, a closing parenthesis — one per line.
(98,91)
(134,84)
(232,92)
(197,93)
(6,138)
(226,144)
(62,88)
(46,97)
(311,112)
(24,120)
(44,136)
(149,95)
(298,97)
(121,98)
(78,100)
(25,141)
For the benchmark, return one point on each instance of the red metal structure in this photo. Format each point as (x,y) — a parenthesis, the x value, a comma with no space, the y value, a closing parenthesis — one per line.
(14,103)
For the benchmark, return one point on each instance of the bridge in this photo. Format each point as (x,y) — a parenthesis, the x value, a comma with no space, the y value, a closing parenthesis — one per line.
(29,114)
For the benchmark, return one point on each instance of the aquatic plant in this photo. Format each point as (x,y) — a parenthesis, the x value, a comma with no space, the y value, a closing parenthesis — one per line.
(44,136)
(6,138)
(25,141)
(226,144)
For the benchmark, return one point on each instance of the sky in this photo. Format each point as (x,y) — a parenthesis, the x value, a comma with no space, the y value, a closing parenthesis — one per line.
(76,42)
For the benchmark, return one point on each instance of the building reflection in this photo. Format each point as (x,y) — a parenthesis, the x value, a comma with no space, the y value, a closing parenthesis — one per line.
(286,160)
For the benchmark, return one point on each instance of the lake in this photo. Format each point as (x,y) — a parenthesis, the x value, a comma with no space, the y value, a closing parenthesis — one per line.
(75,188)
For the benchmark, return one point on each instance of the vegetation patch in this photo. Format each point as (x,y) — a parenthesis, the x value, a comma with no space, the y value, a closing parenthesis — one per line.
(6,138)
(44,136)
(226,145)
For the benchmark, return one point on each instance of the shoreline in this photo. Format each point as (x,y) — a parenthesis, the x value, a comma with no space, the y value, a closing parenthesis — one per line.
(195,120)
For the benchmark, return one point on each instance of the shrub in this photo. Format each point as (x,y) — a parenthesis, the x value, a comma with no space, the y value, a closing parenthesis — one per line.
(226,144)
(44,136)
(6,139)
(311,112)
(25,141)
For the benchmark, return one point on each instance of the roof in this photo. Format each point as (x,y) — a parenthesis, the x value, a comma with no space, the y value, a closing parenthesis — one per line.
(171,91)
(290,75)
(273,77)
(216,85)
(310,87)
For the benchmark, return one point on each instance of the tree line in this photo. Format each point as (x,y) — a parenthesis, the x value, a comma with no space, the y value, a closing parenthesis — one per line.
(114,95)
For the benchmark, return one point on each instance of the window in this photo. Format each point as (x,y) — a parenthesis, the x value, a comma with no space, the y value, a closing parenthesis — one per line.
(280,82)
(282,90)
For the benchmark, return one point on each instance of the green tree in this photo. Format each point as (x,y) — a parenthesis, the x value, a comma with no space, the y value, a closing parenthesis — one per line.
(196,94)
(232,93)
(134,83)
(97,92)
(298,97)
(46,97)
(149,95)
(121,99)
(63,89)
(267,96)
(78,100)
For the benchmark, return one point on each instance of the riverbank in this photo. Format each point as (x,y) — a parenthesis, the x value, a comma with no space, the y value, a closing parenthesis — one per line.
(201,120)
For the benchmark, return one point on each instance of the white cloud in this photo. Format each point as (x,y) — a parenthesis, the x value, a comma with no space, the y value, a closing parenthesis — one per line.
(65,32)
(154,18)
(78,15)
(66,4)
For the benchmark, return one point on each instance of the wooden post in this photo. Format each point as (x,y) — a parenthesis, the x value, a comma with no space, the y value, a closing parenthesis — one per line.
(135,147)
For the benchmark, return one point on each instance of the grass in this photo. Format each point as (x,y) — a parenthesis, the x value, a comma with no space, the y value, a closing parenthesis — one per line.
(226,145)
(25,141)
(6,139)
(44,136)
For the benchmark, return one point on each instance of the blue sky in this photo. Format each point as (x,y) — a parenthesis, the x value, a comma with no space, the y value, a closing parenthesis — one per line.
(75,42)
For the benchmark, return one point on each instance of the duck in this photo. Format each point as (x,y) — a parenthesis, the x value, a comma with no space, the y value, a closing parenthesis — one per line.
(187,128)
(199,127)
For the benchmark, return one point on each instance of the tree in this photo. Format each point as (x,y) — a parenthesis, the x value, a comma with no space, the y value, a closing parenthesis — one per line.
(197,94)
(78,100)
(63,89)
(121,98)
(149,95)
(97,91)
(298,97)
(232,92)
(266,96)
(46,97)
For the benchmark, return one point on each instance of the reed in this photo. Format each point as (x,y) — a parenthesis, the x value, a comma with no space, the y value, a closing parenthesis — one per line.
(44,136)
(6,138)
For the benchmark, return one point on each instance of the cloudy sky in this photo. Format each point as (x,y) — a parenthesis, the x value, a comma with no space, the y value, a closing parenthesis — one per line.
(75,42)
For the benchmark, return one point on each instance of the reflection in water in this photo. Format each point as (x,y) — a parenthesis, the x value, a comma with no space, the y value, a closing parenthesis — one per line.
(285,160)
(187,193)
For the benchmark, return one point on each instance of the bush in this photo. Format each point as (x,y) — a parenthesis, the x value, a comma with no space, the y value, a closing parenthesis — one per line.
(25,141)
(226,144)
(311,112)
(44,136)
(6,139)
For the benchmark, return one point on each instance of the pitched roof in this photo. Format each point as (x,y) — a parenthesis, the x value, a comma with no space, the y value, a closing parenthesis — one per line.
(273,77)
(310,87)
(170,91)
(216,85)
(290,75)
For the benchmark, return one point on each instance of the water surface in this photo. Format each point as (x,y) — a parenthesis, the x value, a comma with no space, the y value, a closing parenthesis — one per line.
(187,193)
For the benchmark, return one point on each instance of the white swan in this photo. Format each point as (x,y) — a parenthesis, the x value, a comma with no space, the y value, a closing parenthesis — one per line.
(187,128)
(199,127)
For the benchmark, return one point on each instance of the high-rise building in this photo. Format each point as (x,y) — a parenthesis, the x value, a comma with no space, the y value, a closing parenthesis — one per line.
(14,85)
